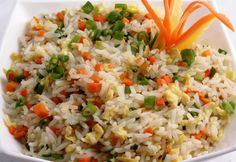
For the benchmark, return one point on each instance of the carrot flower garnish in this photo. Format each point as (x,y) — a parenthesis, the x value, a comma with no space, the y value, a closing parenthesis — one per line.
(172,33)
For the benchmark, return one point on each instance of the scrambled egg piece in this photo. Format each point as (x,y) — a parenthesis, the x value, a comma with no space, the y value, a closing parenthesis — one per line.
(125,111)
(216,109)
(108,113)
(64,46)
(125,159)
(92,138)
(70,148)
(231,75)
(8,121)
(174,95)
(121,133)
(48,26)
(68,134)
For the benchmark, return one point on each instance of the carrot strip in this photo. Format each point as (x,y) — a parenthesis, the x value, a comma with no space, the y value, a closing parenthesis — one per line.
(167,22)
(11,86)
(157,20)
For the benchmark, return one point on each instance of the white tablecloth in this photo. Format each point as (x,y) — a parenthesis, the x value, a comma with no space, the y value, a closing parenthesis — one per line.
(227,7)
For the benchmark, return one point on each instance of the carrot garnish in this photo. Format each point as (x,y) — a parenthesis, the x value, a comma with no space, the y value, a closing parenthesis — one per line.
(171,28)
(100,18)
(94,87)
(98,67)
(149,130)
(127,82)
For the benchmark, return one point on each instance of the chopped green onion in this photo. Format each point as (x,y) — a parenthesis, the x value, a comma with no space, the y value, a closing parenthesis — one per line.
(229,107)
(63,58)
(142,80)
(58,72)
(194,114)
(199,76)
(99,44)
(112,158)
(212,72)
(134,47)
(74,39)
(133,108)
(221,51)
(188,56)
(19,77)
(88,7)
(117,45)
(106,32)
(91,25)
(134,147)
(151,44)
(122,6)
(59,32)
(43,122)
(127,90)
(119,35)
(95,35)
(52,64)
(175,77)
(143,36)
(39,88)
(20,102)
(54,156)
(89,110)
(114,16)
(118,26)
(149,102)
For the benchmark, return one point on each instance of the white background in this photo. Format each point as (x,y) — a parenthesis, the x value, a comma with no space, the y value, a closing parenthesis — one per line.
(225,6)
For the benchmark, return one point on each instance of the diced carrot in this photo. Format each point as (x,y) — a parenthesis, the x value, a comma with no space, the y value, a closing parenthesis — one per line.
(197,136)
(152,59)
(127,82)
(87,159)
(87,56)
(204,131)
(94,87)
(81,39)
(28,104)
(40,110)
(11,86)
(167,79)
(24,92)
(77,103)
(160,102)
(149,130)
(168,149)
(180,63)
(204,100)
(81,24)
(81,71)
(100,18)
(125,20)
(41,32)
(98,102)
(60,16)
(56,100)
(35,28)
(64,93)
(21,132)
(124,75)
(110,66)
(160,82)
(91,123)
(98,67)
(114,140)
(207,73)
(206,53)
(26,73)
(95,78)
(56,131)
(11,130)
(38,59)
(147,16)
(221,97)
(149,30)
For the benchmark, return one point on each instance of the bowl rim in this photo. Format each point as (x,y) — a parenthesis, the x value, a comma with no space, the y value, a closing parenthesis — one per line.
(21,156)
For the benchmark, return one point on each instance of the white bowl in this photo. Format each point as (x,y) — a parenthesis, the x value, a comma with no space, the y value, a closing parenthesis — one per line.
(216,36)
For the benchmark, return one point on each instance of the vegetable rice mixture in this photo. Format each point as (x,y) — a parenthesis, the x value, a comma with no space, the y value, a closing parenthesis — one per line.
(94,84)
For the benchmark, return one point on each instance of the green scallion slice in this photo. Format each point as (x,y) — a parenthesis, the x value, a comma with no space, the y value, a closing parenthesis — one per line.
(89,110)
(149,102)
(88,7)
